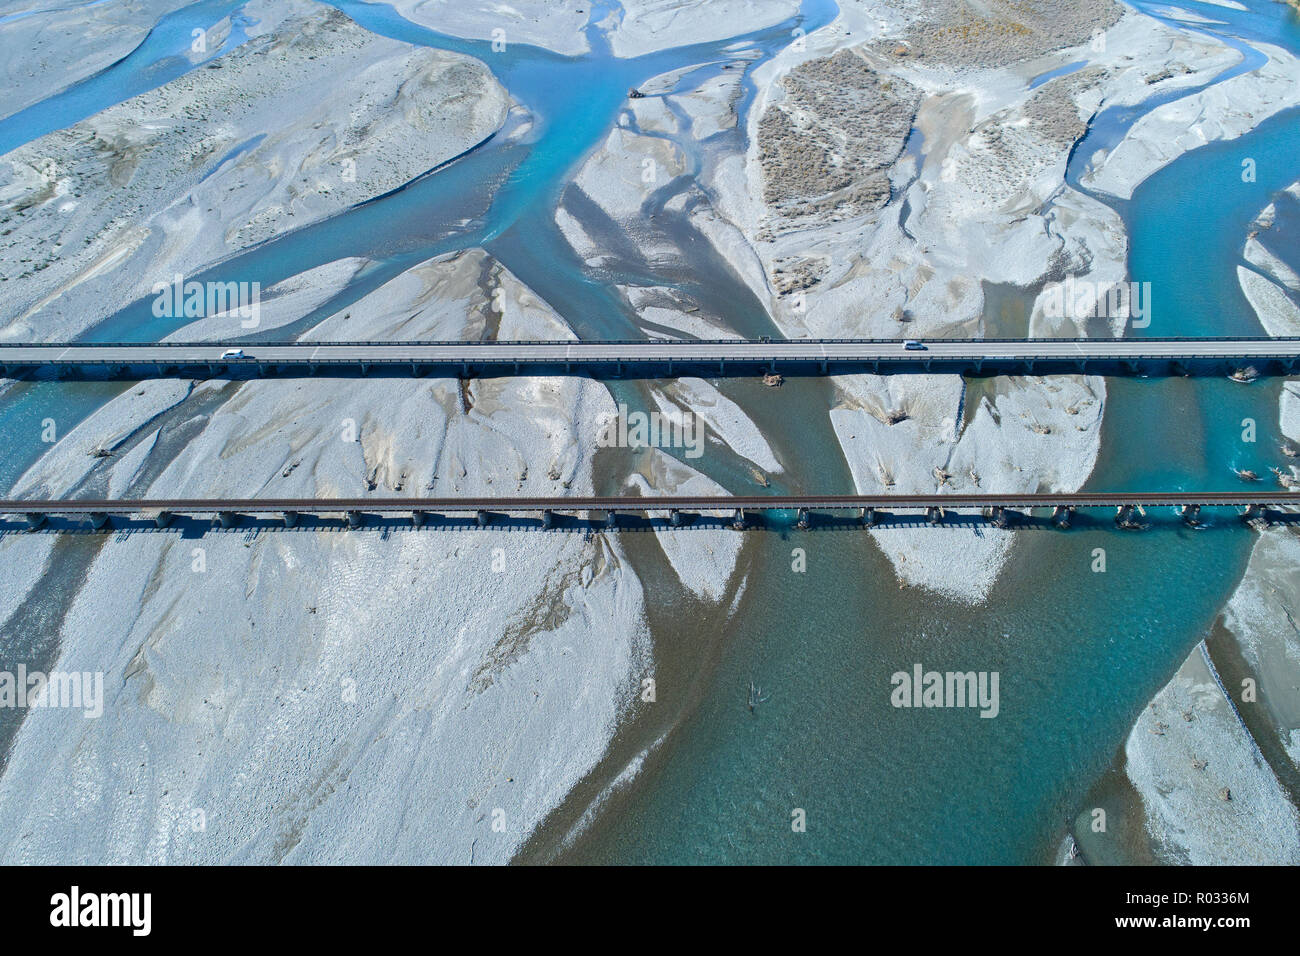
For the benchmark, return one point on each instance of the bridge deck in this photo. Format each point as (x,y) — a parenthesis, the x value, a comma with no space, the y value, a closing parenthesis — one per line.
(1244,499)
(810,355)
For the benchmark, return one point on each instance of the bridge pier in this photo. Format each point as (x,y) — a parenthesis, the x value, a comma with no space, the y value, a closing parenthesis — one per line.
(35,519)
(355,519)
(481,517)
(996,516)
(805,520)
(417,519)
(1062,515)
(1124,518)
(548,518)
(291,519)
(1254,514)
(611,519)
(869,517)
(162,519)
(1192,515)
(98,519)
(738,520)
(227,519)
(934,515)
(675,518)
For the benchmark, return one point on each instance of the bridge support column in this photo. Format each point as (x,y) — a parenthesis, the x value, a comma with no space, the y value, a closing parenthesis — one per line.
(996,516)
(355,519)
(227,519)
(869,517)
(611,520)
(417,519)
(548,518)
(1192,515)
(738,520)
(934,515)
(1062,515)
(481,517)
(35,519)
(291,519)
(98,520)
(1124,517)
(162,519)
(805,520)
(675,518)
(1254,514)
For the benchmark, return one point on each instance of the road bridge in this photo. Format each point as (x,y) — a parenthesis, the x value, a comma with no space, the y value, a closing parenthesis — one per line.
(999,509)
(652,359)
